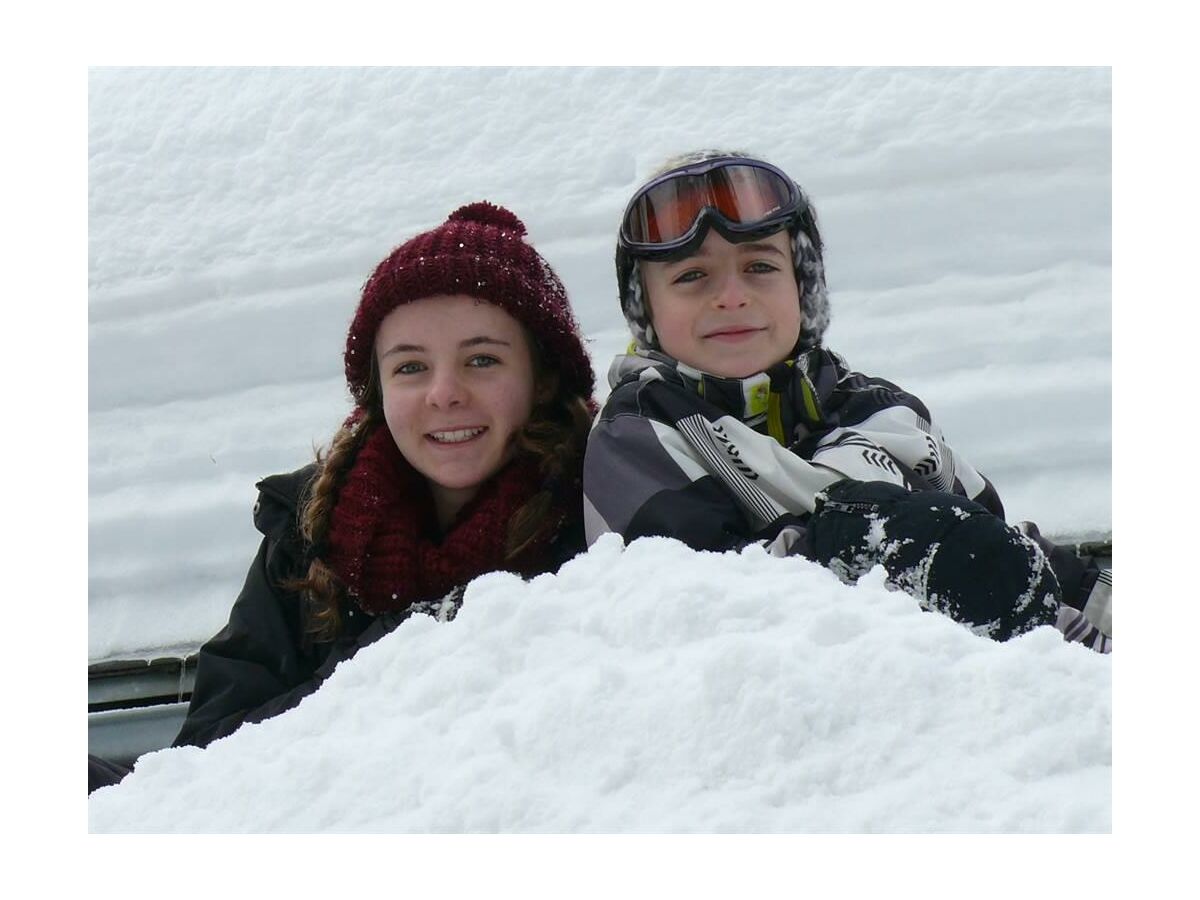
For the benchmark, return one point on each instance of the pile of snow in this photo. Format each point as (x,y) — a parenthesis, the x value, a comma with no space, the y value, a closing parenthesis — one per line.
(233,215)
(654,688)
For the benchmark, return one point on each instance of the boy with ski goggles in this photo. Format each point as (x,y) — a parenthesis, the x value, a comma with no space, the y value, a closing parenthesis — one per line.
(729,421)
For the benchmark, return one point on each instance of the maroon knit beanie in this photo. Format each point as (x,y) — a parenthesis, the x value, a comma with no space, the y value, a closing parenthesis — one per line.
(477,251)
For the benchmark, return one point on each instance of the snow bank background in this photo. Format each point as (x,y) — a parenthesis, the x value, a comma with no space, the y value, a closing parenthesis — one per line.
(234,214)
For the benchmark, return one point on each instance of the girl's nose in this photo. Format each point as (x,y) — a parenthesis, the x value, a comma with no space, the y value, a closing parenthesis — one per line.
(445,390)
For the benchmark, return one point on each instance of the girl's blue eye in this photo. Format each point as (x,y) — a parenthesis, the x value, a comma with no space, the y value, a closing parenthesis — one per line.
(483,361)
(687,277)
(409,368)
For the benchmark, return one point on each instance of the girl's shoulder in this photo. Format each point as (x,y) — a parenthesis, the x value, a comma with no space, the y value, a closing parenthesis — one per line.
(280,499)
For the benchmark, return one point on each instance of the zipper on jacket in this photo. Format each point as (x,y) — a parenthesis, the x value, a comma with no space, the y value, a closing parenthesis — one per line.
(847,506)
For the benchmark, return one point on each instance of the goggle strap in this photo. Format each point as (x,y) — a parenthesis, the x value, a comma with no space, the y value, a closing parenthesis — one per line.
(709,219)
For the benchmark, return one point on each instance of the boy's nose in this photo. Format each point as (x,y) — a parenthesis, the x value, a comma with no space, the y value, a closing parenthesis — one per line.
(732,293)
(445,390)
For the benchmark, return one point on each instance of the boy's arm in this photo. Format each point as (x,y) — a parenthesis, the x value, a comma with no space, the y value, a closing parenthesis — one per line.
(640,479)
(919,460)
(872,414)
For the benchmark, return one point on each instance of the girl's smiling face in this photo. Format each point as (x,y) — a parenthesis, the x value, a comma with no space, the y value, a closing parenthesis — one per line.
(458,384)
(731,310)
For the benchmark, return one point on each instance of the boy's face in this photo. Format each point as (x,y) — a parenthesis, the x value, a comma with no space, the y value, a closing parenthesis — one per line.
(728,309)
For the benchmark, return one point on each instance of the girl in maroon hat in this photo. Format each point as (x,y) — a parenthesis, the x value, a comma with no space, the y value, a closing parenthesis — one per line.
(462,456)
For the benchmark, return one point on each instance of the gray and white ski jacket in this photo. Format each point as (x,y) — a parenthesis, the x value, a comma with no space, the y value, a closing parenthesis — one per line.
(720,462)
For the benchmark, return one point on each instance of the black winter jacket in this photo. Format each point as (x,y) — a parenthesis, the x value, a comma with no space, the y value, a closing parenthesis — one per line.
(263,662)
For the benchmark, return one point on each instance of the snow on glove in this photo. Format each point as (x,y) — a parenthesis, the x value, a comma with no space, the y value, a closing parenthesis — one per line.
(948,552)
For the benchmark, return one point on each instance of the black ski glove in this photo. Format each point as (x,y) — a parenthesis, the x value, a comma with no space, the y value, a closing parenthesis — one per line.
(947,551)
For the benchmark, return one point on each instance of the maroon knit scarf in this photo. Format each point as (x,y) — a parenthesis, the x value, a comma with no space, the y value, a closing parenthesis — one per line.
(383,541)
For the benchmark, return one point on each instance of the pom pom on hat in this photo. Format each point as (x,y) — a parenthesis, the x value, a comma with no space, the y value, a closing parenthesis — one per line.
(486,213)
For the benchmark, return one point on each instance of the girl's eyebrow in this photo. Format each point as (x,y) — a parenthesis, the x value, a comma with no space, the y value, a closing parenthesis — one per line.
(468,342)
(483,339)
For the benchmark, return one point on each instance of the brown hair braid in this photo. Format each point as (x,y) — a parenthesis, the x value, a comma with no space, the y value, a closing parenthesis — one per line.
(321,589)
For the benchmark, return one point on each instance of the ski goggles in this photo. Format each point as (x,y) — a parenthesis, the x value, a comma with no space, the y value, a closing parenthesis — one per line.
(742,198)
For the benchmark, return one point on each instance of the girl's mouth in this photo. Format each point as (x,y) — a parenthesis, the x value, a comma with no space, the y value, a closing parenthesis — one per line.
(456,436)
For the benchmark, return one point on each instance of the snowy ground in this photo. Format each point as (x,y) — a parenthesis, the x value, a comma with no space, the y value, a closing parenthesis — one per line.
(233,216)
(739,696)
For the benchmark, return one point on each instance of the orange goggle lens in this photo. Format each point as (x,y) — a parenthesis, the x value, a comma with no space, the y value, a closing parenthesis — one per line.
(743,195)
